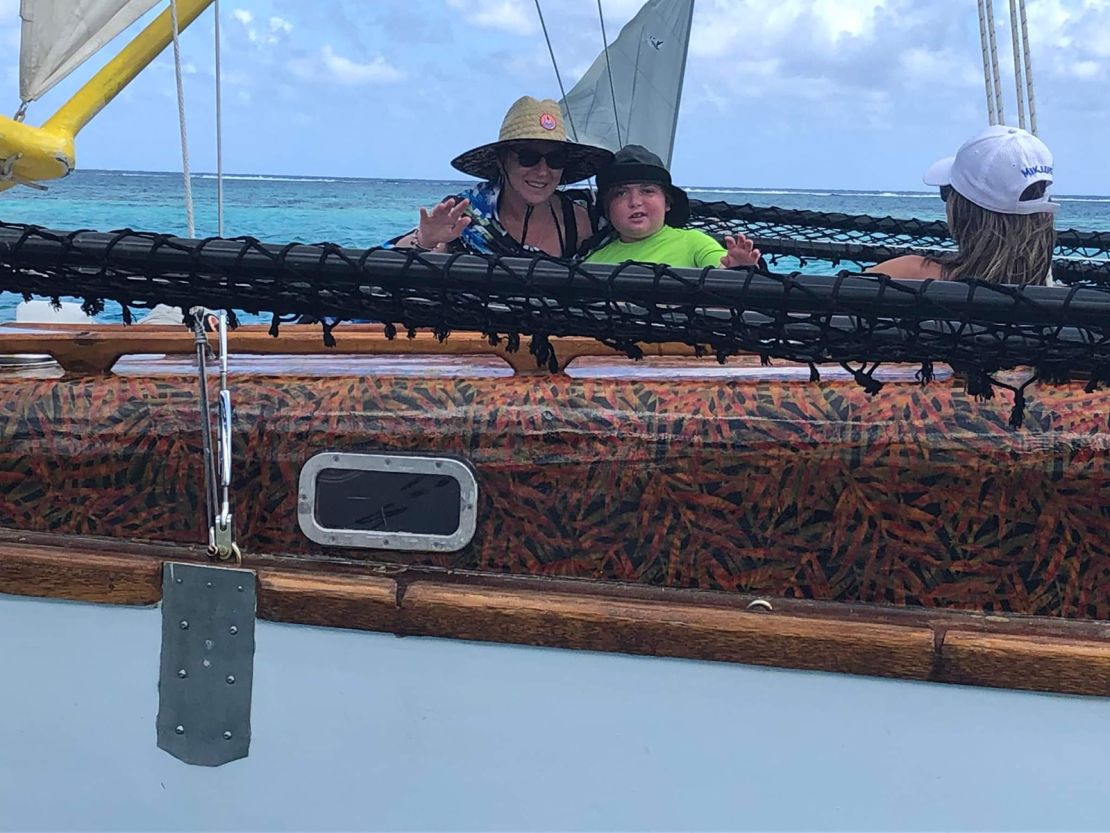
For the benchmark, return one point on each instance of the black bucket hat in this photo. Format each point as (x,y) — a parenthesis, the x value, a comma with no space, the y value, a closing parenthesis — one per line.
(635,163)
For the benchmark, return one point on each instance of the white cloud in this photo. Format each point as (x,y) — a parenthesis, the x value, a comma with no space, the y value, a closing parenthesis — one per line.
(1086,69)
(514,16)
(275,30)
(377,71)
(280,26)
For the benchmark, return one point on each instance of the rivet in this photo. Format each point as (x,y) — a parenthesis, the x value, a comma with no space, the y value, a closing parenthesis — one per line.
(240,588)
(184,625)
(208,584)
(182,673)
(180,730)
(234,629)
(231,679)
(177,580)
(207,663)
(227,735)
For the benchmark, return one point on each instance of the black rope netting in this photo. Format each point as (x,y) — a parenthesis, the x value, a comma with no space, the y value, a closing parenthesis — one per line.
(822,238)
(856,320)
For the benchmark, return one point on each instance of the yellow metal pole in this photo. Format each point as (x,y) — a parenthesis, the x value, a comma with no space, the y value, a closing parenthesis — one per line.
(29,154)
(122,69)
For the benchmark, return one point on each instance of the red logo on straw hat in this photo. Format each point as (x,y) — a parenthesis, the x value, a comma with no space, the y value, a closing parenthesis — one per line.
(547,121)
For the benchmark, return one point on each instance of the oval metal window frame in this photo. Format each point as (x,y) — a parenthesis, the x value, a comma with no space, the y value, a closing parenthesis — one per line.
(453,467)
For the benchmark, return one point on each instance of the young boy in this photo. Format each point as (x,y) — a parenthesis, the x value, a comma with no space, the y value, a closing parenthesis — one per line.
(648,214)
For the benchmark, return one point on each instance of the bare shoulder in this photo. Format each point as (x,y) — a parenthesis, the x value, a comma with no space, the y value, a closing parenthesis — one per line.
(908,266)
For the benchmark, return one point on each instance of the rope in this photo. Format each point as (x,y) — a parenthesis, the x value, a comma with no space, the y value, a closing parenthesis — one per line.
(555,64)
(181,121)
(991,36)
(219,135)
(609,69)
(992,113)
(1028,69)
(1017,63)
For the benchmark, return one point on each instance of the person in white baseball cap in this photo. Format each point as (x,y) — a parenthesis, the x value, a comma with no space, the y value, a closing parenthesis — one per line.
(995,190)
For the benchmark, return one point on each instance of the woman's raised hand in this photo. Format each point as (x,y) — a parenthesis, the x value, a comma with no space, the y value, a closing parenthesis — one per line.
(444,223)
(739,251)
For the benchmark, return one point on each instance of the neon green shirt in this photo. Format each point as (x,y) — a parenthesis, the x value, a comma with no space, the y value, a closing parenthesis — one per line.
(673,246)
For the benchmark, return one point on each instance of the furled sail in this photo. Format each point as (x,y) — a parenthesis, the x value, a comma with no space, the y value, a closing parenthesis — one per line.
(647,62)
(59,35)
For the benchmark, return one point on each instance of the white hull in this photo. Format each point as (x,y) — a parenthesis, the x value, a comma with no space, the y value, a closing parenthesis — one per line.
(356,730)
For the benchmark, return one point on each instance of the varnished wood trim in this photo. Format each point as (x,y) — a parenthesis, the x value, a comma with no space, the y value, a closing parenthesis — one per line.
(84,577)
(84,349)
(362,602)
(1033,663)
(673,629)
(941,646)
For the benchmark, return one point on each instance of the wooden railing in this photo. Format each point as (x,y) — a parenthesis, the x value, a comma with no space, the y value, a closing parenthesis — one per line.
(1063,656)
(81,349)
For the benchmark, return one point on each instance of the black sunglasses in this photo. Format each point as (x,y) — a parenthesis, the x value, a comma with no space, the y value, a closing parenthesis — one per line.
(945,192)
(530,157)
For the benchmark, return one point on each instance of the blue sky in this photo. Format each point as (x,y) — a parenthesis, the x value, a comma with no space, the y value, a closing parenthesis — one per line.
(779,93)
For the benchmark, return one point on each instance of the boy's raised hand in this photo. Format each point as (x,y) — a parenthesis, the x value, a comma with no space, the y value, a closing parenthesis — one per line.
(739,251)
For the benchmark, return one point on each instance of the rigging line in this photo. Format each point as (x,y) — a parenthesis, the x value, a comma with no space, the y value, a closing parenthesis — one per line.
(1028,69)
(1016,39)
(992,114)
(181,122)
(992,36)
(609,69)
(555,64)
(219,134)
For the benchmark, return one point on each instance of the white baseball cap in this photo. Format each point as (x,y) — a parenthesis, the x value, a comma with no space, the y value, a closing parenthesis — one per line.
(993,169)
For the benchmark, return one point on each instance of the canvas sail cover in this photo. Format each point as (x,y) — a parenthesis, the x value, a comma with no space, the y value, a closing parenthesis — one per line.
(647,60)
(59,35)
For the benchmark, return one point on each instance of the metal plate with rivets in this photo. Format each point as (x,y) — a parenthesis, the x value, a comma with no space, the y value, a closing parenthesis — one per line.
(204,690)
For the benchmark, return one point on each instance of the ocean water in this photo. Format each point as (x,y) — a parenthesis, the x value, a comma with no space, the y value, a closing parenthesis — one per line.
(367,212)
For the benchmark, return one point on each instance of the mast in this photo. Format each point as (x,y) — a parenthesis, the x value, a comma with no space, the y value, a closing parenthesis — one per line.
(681,81)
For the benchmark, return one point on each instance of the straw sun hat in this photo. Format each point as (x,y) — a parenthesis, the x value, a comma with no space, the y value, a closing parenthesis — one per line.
(530,119)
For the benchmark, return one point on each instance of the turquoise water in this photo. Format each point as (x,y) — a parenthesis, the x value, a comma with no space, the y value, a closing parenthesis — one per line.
(366,212)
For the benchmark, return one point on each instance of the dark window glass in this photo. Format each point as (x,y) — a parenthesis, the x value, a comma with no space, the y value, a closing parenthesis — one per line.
(387,501)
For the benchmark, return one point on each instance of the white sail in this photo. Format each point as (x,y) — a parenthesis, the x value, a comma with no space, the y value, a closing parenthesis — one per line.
(647,62)
(59,35)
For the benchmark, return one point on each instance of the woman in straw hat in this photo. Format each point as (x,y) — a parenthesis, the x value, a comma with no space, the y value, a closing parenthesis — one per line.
(517,210)
(995,191)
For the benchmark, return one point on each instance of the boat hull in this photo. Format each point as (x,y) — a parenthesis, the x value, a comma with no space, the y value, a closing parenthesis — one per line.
(367,731)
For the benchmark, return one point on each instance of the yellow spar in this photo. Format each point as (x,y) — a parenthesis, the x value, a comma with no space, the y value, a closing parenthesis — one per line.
(31,154)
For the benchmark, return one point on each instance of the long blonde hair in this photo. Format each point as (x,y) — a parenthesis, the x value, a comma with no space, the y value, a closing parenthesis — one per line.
(1000,248)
